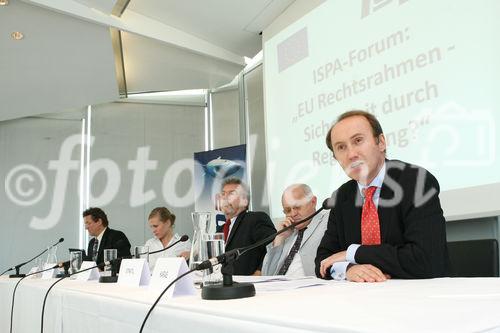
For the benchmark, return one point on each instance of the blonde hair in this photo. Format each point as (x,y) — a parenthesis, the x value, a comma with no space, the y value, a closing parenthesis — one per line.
(163,213)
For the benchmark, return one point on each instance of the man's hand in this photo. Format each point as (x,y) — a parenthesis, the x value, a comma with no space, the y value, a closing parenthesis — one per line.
(365,273)
(184,254)
(328,262)
(278,240)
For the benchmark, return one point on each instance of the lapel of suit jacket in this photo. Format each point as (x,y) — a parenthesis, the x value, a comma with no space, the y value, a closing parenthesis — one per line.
(235,227)
(311,228)
(384,212)
(351,214)
(387,194)
(90,248)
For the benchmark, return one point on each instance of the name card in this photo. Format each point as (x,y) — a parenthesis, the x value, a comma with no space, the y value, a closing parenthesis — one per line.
(91,274)
(50,273)
(168,269)
(134,272)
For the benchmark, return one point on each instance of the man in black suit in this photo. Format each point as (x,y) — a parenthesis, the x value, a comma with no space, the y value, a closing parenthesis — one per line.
(387,220)
(96,223)
(242,227)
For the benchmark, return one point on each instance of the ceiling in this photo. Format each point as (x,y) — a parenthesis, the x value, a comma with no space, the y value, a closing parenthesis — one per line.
(66,60)
(225,29)
(234,25)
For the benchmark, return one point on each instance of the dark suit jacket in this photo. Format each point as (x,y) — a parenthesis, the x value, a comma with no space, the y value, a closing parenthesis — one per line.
(249,228)
(412,226)
(111,239)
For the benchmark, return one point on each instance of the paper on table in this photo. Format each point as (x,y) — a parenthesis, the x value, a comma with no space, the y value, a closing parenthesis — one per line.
(281,283)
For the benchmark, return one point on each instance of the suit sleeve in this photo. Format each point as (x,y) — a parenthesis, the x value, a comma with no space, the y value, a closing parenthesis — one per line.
(122,245)
(422,252)
(329,244)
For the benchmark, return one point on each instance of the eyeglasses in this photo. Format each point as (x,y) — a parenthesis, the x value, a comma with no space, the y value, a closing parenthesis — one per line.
(228,193)
(288,210)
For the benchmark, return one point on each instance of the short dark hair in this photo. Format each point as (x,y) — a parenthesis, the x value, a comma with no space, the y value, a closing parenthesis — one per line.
(374,123)
(242,184)
(96,214)
(163,213)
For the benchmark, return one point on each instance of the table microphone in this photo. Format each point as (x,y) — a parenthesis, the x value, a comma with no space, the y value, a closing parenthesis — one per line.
(235,253)
(230,289)
(17,267)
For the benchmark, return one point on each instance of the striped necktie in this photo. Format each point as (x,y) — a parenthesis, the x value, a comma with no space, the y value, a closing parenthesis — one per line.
(293,251)
(95,249)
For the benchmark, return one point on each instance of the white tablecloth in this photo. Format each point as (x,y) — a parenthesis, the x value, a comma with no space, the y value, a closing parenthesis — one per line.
(436,305)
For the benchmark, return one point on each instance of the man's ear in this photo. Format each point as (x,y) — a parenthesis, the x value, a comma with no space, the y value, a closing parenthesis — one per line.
(381,143)
(314,200)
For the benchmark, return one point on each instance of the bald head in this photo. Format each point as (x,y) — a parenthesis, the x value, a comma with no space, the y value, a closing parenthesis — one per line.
(298,202)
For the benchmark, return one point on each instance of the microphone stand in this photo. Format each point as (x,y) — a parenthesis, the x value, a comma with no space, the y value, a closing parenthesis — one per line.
(230,289)
(17,267)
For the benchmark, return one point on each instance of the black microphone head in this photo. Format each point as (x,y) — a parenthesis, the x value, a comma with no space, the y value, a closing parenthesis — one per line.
(184,238)
(61,240)
(329,203)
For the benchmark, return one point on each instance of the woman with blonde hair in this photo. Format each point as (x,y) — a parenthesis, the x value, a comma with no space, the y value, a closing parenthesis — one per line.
(161,221)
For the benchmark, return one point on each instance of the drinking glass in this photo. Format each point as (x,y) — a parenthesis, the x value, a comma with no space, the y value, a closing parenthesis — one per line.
(75,262)
(141,252)
(213,246)
(109,255)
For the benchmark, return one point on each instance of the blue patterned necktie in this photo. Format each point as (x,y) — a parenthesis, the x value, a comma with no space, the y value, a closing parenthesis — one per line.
(293,251)
(95,249)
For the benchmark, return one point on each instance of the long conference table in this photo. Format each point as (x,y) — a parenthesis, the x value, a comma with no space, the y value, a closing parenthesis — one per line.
(434,305)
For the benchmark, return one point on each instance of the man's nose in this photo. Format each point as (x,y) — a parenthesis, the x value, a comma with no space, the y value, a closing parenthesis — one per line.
(352,153)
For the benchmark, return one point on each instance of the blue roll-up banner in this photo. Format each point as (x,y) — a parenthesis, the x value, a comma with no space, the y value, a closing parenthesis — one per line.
(211,168)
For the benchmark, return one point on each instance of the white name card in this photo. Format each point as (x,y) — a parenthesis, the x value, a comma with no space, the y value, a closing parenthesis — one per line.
(134,272)
(168,269)
(50,273)
(91,274)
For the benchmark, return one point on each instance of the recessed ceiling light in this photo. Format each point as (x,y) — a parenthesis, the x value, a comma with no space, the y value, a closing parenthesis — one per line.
(4,2)
(17,35)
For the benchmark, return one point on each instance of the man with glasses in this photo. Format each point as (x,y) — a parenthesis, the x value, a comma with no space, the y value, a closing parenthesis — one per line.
(103,237)
(242,227)
(292,253)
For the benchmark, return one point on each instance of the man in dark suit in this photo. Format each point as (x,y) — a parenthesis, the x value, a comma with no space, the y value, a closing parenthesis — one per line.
(387,220)
(96,223)
(242,227)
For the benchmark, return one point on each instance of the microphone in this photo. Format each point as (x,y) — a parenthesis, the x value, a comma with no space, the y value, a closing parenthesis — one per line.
(330,202)
(17,267)
(230,289)
(232,255)
(182,239)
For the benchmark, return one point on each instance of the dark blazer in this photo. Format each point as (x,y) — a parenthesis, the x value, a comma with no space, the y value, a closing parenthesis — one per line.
(249,228)
(412,226)
(111,239)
